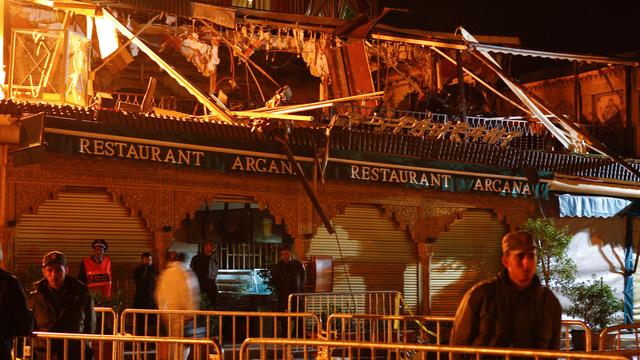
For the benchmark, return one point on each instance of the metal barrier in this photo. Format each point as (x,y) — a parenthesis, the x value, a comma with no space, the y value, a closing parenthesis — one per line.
(63,346)
(433,330)
(229,328)
(620,338)
(323,349)
(568,336)
(389,328)
(366,302)
(106,320)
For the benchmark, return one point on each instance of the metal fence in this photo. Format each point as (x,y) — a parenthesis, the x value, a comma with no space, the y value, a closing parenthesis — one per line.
(365,302)
(403,329)
(324,349)
(620,338)
(228,328)
(106,320)
(433,330)
(63,346)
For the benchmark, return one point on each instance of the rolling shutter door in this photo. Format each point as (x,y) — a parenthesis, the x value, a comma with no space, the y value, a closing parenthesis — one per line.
(378,255)
(70,223)
(467,253)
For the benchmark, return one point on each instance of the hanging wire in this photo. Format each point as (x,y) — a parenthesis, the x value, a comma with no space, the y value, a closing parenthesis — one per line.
(344,266)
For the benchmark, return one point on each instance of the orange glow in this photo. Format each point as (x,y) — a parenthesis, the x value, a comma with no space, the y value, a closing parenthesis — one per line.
(107,36)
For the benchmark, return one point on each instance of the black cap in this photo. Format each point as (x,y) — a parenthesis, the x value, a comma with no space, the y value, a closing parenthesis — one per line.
(54,257)
(99,242)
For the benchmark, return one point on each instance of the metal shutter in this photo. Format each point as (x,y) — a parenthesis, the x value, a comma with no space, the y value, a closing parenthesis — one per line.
(70,223)
(467,253)
(377,254)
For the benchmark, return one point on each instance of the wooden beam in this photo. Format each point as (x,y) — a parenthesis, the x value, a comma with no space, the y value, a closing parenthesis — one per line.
(265,115)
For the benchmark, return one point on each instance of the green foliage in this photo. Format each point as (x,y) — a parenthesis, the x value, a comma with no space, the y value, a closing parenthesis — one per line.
(594,302)
(116,301)
(557,269)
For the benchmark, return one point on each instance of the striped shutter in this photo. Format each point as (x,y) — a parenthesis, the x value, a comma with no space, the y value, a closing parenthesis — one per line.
(376,254)
(467,253)
(70,223)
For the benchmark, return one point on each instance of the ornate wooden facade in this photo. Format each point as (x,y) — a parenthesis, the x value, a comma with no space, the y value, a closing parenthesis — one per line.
(163,195)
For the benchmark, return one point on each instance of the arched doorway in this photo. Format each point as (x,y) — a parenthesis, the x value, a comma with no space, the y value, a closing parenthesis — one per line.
(247,239)
(70,223)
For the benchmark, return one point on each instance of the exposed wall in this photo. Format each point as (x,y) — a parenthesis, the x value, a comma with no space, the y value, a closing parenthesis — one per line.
(603,103)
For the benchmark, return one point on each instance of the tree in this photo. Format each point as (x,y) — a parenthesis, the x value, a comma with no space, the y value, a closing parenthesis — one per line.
(594,302)
(557,269)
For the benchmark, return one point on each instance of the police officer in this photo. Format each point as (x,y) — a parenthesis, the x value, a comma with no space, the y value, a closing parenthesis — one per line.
(95,270)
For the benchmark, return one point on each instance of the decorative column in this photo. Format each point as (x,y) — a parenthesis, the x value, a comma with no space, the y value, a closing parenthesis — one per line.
(162,242)
(425,253)
(7,244)
(436,219)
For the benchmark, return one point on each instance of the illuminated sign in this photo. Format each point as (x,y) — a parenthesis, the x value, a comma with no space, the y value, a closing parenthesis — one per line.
(125,150)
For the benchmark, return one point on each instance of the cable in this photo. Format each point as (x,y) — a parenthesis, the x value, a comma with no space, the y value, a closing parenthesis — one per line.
(344,266)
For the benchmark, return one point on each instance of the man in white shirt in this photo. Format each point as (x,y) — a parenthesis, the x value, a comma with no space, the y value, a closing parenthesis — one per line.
(177,289)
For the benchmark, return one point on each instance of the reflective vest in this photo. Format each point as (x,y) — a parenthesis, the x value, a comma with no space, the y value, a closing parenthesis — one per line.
(99,275)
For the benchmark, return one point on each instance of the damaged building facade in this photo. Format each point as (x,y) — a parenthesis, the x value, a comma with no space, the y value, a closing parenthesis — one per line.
(353,141)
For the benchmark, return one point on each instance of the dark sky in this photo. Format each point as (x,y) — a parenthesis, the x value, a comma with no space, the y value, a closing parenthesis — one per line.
(605,27)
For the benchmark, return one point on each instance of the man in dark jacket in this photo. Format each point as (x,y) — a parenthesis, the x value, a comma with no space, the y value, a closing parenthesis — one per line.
(205,266)
(288,277)
(15,318)
(512,310)
(61,303)
(145,276)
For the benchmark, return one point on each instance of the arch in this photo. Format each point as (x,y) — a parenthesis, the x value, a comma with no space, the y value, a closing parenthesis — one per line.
(29,196)
(71,221)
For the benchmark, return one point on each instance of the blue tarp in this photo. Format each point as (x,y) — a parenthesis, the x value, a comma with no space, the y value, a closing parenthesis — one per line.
(591,206)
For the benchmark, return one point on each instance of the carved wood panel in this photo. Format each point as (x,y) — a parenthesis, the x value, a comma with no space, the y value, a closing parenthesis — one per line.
(514,217)
(28,196)
(439,218)
(405,216)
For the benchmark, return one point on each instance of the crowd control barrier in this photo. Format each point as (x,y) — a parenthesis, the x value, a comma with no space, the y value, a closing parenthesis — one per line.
(65,346)
(365,302)
(228,328)
(404,329)
(323,349)
(620,338)
(106,320)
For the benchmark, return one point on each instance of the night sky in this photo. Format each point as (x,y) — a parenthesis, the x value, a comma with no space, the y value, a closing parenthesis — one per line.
(592,27)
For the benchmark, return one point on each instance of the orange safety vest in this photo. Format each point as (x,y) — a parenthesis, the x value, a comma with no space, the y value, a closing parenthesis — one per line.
(99,275)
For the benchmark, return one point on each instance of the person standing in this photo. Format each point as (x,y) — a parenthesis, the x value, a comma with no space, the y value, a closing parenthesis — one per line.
(205,265)
(145,277)
(288,277)
(15,317)
(61,303)
(177,289)
(513,309)
(95,270)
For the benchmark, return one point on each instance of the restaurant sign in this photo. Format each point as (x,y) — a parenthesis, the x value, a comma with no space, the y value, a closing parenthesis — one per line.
(439,179)
(230,160)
